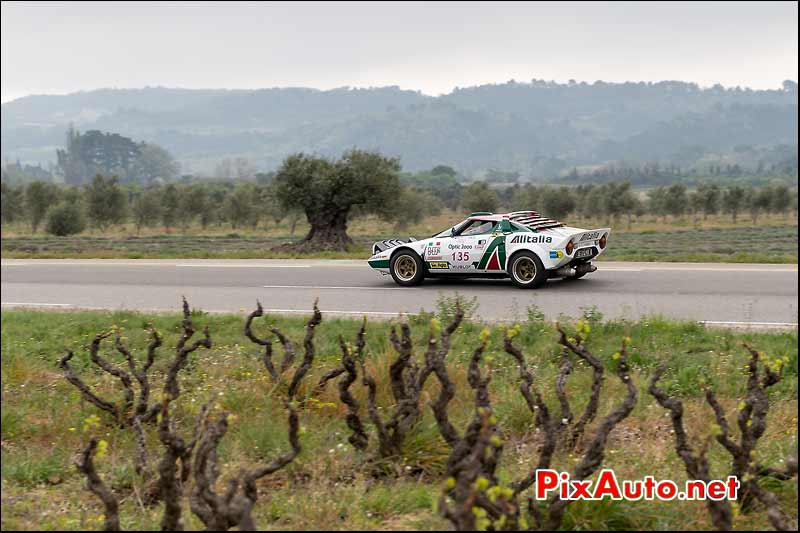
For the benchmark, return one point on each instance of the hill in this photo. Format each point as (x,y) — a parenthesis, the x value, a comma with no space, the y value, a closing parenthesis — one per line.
(537,128)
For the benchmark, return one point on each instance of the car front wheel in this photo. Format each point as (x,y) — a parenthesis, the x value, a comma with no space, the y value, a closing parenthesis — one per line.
(406,269)
(527,271)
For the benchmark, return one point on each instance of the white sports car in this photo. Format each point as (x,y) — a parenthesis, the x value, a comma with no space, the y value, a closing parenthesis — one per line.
(522,245)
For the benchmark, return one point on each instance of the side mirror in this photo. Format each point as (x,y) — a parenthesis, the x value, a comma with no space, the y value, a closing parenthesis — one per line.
(453,231)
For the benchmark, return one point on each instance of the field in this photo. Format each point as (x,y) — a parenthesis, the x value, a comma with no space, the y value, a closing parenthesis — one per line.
(44,421)
(772,240)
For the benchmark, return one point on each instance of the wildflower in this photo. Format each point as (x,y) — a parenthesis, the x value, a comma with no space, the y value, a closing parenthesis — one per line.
(102,447)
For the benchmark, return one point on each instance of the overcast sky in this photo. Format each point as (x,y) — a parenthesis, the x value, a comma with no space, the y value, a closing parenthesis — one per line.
(55,48)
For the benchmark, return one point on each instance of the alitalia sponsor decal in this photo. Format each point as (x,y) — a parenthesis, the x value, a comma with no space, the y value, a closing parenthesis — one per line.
(494,261)
(494,258)
(535,239)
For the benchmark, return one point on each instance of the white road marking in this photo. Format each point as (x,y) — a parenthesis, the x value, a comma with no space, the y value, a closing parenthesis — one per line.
(358,313)
(712,269)
(220,311)
(747,324)
(81,262)
(34,304)
(189,265)
(333,287)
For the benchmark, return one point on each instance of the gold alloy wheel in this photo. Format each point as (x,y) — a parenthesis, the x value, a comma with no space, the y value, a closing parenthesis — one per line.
(405,267)
(524,269)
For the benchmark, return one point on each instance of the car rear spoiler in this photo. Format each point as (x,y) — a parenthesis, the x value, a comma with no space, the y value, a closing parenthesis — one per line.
(589,235)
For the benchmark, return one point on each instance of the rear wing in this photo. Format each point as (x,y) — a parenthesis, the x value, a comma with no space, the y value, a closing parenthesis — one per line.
(533,220)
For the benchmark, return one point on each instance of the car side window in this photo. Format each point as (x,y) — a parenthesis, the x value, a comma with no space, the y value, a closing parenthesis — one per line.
(478,227)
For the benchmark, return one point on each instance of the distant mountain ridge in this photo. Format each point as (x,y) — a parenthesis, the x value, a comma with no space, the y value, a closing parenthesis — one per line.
(537,128)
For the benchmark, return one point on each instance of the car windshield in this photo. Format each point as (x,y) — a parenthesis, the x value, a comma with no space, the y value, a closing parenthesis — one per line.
(468,227)
(449,231)
(478,227)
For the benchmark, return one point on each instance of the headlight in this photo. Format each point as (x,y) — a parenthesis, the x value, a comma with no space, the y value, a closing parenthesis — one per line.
(602,242)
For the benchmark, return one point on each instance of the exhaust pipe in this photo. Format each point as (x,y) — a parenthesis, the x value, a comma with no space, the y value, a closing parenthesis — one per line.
(570,271)
(565,272)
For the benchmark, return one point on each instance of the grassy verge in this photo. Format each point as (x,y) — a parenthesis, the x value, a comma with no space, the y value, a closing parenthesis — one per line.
(772,240)
(327,487)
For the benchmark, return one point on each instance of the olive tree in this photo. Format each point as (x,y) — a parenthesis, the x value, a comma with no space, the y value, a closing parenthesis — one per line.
(780,199)
(65,219)
(146,208)
(709,197)
(733,200)
(13,202)
(241,208)
(170,206)
(676,199)
(106,202)
(557,202)
(327,191)
(478,196)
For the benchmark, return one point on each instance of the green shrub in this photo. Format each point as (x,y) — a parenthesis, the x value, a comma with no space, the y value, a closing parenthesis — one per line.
(65,219)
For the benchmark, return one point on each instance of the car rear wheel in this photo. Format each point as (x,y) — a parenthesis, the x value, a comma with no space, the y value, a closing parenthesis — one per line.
(527,271)
(406,269)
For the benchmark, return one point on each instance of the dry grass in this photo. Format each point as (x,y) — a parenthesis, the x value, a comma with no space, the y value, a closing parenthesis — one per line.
(772,240)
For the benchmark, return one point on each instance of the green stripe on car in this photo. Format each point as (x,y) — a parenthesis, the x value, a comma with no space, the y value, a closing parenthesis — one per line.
(501,255)
(379,263)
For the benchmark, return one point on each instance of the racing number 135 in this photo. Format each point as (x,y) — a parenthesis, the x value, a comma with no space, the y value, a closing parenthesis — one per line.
(460,256)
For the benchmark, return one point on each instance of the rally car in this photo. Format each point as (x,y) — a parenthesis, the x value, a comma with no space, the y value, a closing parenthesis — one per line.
(522,245)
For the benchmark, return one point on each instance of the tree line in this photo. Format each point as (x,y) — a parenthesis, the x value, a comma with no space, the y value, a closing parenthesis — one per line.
(751,165)
(105,202)
(328,193)
(615,200)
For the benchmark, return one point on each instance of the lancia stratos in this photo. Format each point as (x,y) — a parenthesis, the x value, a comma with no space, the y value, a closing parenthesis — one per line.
(524,246)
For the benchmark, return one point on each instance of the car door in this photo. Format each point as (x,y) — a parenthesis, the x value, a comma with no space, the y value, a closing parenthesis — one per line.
(463,252)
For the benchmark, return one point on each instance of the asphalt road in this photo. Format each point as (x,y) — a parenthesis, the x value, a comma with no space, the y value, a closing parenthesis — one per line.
(729,294)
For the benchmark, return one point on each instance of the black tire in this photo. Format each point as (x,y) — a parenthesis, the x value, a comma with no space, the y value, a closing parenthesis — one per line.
(406,268)
(526,270)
